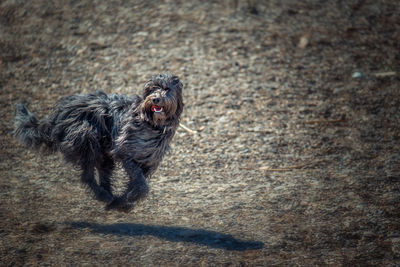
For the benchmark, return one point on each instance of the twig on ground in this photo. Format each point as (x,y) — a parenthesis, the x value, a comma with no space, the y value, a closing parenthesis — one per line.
(187,129)
(290,168)
(385,74)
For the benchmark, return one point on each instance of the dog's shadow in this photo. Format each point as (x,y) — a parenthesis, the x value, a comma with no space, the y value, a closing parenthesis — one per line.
(171,233)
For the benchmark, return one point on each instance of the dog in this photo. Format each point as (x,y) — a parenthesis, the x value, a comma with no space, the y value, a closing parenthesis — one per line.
(96,130)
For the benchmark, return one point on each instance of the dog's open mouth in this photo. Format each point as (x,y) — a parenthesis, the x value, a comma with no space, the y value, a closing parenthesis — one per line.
(156,109)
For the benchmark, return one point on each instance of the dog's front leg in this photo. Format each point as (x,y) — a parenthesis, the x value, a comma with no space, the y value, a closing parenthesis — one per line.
(136,189)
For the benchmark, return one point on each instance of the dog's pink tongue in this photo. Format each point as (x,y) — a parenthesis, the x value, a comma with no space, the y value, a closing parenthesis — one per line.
(156,108)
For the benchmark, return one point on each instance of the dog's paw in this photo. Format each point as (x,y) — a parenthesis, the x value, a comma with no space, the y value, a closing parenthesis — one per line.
(119,204)
(137,194)
(104,196)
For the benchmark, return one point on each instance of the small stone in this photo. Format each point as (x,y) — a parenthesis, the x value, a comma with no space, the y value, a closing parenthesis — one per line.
(357,75)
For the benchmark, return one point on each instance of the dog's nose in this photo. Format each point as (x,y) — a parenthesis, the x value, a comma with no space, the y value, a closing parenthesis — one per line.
(156,100)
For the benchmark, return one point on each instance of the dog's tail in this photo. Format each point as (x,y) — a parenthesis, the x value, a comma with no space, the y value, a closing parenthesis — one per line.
(28,130)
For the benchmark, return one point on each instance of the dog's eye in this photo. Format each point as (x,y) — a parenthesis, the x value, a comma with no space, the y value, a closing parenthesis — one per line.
(154,89)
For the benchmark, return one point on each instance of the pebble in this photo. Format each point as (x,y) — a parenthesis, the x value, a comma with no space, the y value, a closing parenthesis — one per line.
(357,75)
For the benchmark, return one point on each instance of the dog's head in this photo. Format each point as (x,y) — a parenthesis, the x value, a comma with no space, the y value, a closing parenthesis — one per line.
(163,99)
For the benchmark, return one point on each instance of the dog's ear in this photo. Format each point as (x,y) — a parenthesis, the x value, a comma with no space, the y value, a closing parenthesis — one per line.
(179,108)
(177,86)
(176,83)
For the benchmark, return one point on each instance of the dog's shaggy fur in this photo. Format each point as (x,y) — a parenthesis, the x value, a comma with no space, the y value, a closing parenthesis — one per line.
(96,130)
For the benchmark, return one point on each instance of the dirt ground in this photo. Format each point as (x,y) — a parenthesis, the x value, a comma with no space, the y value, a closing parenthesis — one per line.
(295,160)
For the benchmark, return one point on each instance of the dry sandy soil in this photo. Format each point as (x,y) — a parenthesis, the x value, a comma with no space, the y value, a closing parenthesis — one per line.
(295,160)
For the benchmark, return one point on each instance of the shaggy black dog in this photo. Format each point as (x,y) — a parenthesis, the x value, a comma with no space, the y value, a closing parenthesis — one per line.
(97,130)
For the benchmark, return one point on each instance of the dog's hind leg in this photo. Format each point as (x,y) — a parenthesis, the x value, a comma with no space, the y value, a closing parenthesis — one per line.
(105,169)
(88,179)
(137,188)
